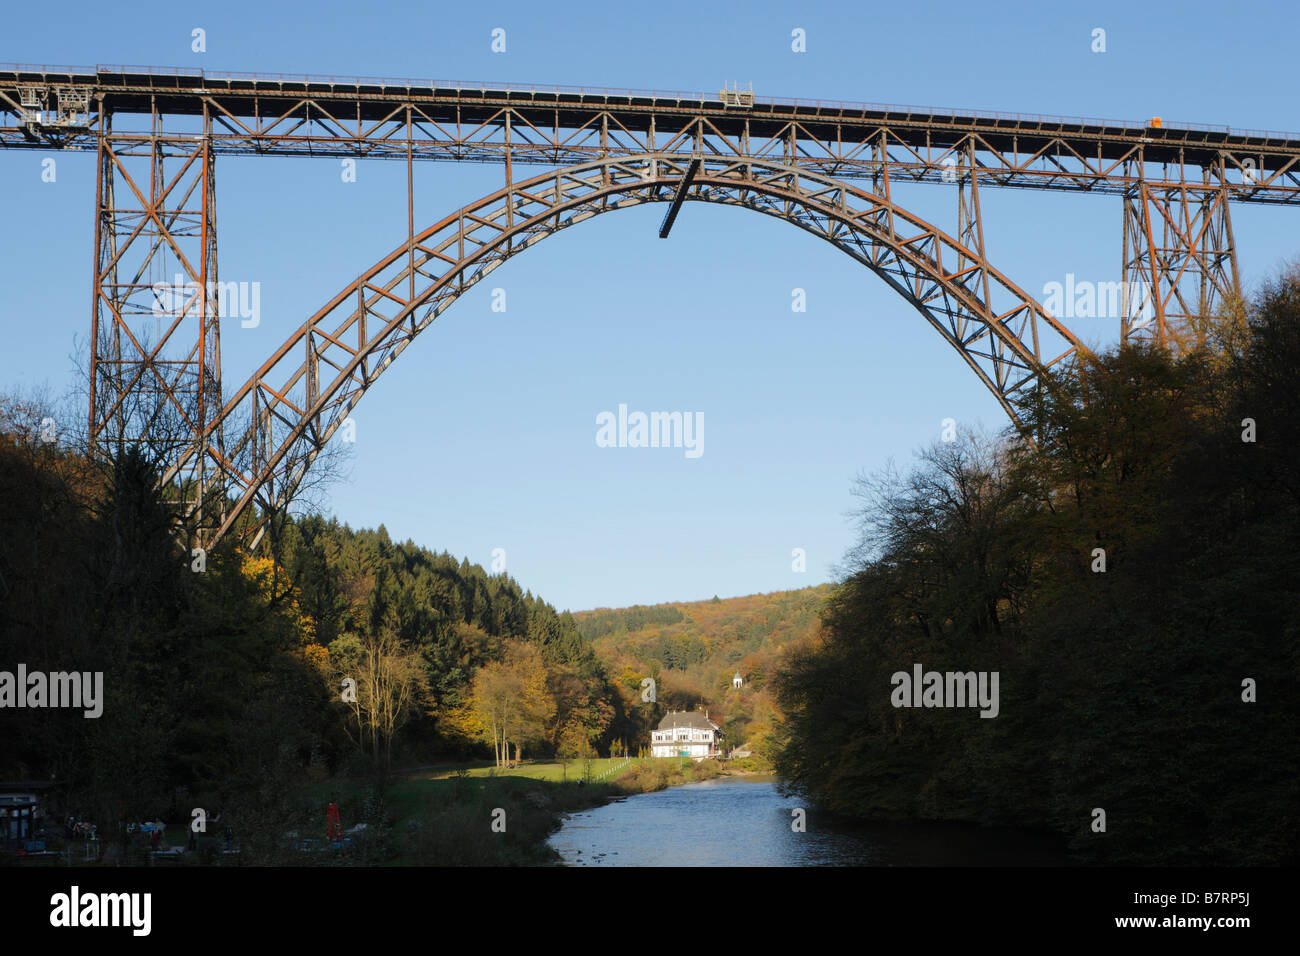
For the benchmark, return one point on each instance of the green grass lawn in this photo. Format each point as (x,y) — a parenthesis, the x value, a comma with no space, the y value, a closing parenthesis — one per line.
(553,770)
(410,794)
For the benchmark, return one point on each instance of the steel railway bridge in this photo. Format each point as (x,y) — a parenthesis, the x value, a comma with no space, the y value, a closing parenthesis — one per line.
(240,455)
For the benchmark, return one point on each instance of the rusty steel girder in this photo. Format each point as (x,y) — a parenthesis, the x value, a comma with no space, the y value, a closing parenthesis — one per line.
(266,114)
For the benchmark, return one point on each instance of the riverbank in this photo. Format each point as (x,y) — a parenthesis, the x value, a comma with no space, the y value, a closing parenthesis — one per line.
(481,816)
(448,819)
(447,815)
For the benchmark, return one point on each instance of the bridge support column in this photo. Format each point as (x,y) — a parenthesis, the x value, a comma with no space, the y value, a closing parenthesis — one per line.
(155,367)
(1180,262)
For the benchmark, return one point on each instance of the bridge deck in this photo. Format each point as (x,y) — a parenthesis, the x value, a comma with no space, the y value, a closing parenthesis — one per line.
(429,120)
(181,91)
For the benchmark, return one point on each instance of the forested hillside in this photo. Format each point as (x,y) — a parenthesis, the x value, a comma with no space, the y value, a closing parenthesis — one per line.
(693,650)
(458,619)
(1133,576)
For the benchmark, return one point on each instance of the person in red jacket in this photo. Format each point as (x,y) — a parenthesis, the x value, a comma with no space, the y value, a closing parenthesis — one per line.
(333,828)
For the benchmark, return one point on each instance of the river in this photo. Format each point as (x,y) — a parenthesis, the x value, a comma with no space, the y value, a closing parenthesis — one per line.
(744,821)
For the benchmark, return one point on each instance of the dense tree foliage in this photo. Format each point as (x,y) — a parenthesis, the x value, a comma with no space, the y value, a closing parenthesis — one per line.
(1121,689)
(205,685)
(594,624)
(455,614)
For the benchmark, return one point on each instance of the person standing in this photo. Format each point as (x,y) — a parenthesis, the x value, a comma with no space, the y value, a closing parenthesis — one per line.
(333,827)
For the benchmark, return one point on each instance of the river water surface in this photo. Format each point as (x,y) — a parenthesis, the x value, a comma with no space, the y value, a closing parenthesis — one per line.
(744,821)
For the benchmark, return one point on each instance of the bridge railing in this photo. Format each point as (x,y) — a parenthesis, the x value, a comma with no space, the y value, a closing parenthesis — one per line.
(60,69)
(152,70)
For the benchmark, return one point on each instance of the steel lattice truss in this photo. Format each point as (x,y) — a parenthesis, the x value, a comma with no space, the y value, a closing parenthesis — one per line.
(297,400)
(163,211)
(372,118)
(156,134)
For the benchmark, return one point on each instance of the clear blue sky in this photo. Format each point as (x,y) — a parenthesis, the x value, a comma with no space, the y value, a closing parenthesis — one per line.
(483,435)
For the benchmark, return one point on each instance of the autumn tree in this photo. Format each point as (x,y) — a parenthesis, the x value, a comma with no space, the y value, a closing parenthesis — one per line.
(492,697)
(576,705)
(511,700)
(534,706)
(389,685)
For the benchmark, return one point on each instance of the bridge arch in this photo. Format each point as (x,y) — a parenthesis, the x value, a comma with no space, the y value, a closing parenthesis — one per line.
(258,449)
